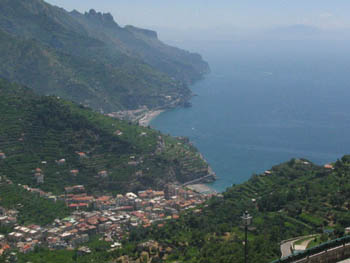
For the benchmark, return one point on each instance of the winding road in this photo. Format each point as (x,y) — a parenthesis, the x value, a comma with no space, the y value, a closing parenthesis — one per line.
(285,248)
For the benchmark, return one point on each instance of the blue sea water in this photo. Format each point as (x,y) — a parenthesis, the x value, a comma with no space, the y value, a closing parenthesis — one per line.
(265,103)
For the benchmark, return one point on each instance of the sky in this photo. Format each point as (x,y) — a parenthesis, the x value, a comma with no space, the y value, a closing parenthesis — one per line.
(179,22)
(204,14)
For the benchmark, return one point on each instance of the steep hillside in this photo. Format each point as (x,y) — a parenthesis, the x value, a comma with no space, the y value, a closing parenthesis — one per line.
(31,208)
(145,44)
(91,60)
(81,79)
(58,136)
(292,199)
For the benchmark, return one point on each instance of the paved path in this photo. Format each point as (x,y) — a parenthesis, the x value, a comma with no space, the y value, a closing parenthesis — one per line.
(304,244)
(344,261)
(285,248)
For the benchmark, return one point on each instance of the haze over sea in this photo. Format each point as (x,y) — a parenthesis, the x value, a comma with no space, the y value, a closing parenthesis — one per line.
(266,102)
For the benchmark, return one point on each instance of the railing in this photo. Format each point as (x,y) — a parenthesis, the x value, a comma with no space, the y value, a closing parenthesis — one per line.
(339,242)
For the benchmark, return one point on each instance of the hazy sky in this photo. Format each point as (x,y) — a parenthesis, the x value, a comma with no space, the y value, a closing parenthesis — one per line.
(208,14)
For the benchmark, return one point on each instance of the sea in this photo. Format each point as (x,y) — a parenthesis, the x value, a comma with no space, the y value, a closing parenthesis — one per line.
(266,102)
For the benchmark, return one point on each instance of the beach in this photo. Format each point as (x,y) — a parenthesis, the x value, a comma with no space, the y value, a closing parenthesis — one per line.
(148,117)
(201,188)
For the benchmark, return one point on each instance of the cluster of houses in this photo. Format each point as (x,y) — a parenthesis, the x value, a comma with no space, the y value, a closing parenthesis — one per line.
(2,156)
(173,199)
(111,217)
(39,176)
(8,218)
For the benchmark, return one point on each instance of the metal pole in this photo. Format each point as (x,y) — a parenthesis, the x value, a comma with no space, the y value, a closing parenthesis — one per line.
(246,244)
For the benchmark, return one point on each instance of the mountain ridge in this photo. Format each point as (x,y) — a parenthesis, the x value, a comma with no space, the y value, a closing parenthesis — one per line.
(39,131)
(96,62)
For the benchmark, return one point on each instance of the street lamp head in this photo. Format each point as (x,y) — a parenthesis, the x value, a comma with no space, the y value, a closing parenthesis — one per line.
(247,219)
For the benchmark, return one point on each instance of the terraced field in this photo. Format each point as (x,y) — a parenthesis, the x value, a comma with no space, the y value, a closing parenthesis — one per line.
(58,136)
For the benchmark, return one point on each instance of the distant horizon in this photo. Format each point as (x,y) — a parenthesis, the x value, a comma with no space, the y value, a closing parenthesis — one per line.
(222,19)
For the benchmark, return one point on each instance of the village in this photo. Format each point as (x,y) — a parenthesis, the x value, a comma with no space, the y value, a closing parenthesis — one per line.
(109,217)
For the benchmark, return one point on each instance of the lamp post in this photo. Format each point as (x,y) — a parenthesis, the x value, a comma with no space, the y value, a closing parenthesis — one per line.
(247,220)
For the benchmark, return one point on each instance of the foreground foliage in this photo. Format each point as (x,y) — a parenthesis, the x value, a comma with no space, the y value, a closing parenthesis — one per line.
(32,208)
(297,198)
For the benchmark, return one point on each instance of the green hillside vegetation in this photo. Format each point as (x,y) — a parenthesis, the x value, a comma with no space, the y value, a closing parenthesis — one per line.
(32,208)
(91,60)
(177,63)
(38,132)
(83,79)
(297,199)
(98,248)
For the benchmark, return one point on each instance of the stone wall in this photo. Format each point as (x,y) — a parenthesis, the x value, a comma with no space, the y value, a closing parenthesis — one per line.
(330,256)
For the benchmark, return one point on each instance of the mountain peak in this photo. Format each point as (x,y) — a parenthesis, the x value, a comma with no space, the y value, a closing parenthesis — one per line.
(104,18)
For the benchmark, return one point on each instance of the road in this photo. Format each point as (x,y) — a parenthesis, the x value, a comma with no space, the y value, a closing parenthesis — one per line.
(344,261)
(197,180)
(285,248)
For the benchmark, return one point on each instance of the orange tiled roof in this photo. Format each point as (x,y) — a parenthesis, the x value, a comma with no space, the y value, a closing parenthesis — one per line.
(92,221)
(82,198)
(6,246)
(175,216)
(102,219)
(328,166)
(104,198)
(27,246)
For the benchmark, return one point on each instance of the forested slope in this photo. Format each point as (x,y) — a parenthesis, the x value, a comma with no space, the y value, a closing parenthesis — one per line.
(293,199)
(91,60)
(58,136)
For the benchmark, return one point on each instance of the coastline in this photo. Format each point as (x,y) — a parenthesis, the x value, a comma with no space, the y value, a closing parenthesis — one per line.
(148,117)
(201,188)
(142,116)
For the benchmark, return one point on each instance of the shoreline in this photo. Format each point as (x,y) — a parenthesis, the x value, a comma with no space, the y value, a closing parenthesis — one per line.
(148,117)
(201,188)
